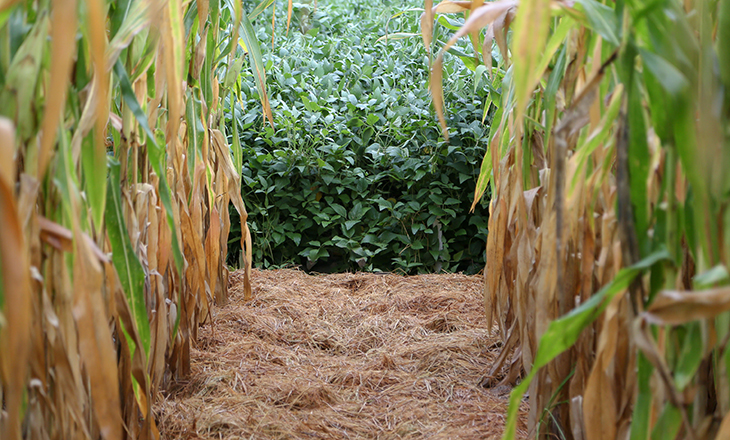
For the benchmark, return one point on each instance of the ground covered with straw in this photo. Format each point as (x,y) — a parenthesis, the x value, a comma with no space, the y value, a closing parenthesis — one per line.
(341,356)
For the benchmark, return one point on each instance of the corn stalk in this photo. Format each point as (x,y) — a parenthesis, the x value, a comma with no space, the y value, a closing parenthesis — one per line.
(607,254)
(115,180)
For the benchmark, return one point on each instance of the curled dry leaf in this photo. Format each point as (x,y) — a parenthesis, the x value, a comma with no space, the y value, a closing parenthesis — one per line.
(61,238)
(671,307)
(450,7)
(479,18)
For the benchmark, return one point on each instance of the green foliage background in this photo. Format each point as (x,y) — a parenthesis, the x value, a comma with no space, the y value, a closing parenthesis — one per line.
(354,173)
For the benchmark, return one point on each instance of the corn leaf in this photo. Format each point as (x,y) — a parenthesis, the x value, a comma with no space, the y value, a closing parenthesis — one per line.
(130,271)
(248,35)
(156,156)
(563,332)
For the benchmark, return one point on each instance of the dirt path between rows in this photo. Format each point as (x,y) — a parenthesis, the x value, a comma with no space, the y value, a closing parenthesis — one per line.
(344,356)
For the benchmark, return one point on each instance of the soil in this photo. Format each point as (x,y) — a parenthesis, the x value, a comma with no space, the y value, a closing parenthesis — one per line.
(342,356)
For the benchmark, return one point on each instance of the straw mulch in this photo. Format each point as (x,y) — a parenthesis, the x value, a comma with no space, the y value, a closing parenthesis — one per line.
(344,356)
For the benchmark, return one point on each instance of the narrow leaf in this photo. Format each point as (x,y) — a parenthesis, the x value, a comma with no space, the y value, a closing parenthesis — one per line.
(129,269)
(248,35)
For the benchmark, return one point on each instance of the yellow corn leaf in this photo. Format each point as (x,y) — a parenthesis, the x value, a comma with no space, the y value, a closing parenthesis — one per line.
(599,402)
(437,93)
(529,37)
(172,37)
(63,48)
(450,7)
(474,34)
(95,339)
(427,26)
(15,292)
(724,430)
(6,4)
(7,151)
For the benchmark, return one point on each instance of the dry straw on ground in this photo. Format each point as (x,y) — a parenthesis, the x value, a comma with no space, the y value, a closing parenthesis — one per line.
(341,356)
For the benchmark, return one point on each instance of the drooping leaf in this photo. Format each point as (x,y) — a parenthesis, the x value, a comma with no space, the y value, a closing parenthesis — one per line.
(248,35)
(261,7)
(677,307)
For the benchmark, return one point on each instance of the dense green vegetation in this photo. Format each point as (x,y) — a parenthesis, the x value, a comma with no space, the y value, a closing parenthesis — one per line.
(354,173)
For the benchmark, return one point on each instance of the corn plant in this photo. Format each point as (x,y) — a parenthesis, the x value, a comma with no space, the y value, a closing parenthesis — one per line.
(115,180)
(607,249)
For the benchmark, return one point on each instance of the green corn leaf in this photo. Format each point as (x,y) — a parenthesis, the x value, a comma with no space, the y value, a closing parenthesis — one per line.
(21,78)
(602,20)
(555,42)
(673,81)
(600,134)
(395,36)
(236,142)
(195,128)
(712,277)
(130,18)
(690,356)
(93,162)
(642,408)
(697,204)
(722,43)
(639,162)
(660,104)
(4,16)
(261,7)
(551,91)
(66,180)
(248,35)
(485,175)
(121,10)
(563,332)
(130,271)
(206,75)
(667,427)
